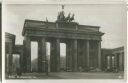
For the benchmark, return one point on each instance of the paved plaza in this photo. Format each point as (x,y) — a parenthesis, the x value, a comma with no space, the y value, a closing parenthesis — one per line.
(71,75)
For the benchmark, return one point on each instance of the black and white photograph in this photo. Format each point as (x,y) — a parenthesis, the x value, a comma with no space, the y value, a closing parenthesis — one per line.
(65,41)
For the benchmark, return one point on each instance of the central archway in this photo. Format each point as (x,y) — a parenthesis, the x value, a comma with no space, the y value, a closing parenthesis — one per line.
(62,57)
(34,56)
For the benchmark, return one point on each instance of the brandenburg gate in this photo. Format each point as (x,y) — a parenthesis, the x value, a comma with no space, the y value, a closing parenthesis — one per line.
(83,44)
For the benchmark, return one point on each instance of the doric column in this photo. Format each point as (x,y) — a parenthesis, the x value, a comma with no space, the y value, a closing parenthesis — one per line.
(121,61)
(84,57)
(28,53)
(68,56)
(21,61)
(52,57)
(116,61)
(58,53)
(24,60)
(41,55)
(10,62)
(55,55)
(81,56)
(87,53)
(99,54)
(75,55)
(111,61)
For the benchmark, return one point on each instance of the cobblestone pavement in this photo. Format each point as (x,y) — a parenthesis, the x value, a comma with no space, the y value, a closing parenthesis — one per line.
(70,75)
